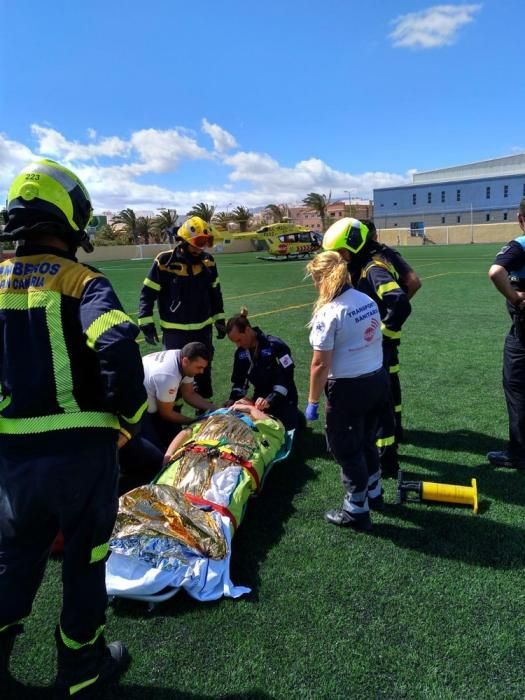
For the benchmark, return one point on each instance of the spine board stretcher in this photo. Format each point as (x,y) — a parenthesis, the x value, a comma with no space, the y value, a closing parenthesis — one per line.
(198,500)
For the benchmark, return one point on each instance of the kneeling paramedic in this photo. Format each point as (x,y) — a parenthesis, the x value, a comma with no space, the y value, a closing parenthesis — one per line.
(71,379)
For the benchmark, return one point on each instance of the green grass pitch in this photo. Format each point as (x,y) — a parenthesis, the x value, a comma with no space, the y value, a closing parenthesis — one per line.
(431,605)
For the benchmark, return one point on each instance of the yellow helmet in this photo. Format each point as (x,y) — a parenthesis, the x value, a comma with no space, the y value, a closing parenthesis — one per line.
(47,192)
(347,233)
(197,232)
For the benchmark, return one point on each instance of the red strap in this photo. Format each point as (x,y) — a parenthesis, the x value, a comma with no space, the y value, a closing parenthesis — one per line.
(229,457)
(248,466)
(198,501)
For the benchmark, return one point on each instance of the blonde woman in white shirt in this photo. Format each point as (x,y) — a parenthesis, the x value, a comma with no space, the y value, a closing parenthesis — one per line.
(347,365)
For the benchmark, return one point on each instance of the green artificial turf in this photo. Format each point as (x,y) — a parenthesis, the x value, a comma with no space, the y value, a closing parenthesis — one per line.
(430,605)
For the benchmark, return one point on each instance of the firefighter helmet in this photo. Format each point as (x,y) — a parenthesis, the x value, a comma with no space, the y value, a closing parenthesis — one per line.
(47,192)
(197,232)
(347,233)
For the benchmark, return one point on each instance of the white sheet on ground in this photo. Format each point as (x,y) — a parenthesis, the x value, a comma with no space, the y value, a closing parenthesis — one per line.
(202,578)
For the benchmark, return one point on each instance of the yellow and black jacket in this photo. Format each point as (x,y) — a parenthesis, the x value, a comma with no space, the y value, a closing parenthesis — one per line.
(187,290)
(377,277)
(68,356)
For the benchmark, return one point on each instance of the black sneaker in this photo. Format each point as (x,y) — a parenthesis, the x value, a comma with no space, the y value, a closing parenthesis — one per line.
(503,459)
(342,518)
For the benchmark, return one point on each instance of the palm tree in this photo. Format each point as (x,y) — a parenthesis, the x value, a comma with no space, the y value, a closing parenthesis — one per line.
(222,219)
(163,223)
(144,227)
(128,219)
(319,203)
(279,212)
(204,211)
(242,216)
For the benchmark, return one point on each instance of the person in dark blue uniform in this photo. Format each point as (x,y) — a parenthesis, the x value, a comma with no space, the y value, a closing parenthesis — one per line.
(508,276)
(265,362)
(71,390)
(185,284)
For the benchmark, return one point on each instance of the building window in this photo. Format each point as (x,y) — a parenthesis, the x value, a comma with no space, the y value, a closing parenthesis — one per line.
(414,198)
(458,195)
(442,219)
(505,216)
(458,218)
(442,195)
(487,217)
(487,192)
(505,190)
(429,197)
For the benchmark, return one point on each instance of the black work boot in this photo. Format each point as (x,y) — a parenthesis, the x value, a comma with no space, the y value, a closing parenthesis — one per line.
(7,640)
(81,671)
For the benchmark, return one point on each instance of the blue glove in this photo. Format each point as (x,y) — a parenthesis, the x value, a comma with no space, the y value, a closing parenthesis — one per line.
(312,411)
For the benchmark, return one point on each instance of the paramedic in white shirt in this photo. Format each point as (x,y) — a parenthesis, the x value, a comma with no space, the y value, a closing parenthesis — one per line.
(165,373)
(347,364)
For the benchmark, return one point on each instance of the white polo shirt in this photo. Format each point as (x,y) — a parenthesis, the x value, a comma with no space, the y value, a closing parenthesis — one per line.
(162,377)
(350,326)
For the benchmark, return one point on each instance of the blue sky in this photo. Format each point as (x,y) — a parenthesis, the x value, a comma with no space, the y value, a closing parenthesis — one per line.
(169,103)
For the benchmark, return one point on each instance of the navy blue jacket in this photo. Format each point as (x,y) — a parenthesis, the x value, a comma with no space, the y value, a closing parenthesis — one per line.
(269,369)
(68,356)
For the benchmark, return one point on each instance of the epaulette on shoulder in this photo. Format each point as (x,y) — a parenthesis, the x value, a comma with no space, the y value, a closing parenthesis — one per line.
(164,256)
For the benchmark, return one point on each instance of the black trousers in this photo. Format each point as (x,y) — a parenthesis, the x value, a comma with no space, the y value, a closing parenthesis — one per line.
(514,389)
(175,340)
(353,410)
(47,486)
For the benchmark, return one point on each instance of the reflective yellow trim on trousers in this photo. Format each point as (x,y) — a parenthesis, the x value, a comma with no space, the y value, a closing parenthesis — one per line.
(61,421)
(393,369)
(385,288)
(395,335)
(219,317)
(186,326)
(137,416)
(385,442)
(11,624)
(103,323)
(80,686)
(75,646)
(99,552)
(151,284)
(397,409)
(145,320)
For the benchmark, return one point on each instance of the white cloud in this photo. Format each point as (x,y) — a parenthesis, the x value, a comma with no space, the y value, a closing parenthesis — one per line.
(431,28)
(13,157)
(161,151)
(92,134)
(53,143)
(253,179)
(222,139)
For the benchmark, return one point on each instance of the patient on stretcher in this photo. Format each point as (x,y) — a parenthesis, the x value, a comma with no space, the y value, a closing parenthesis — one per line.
(212,469)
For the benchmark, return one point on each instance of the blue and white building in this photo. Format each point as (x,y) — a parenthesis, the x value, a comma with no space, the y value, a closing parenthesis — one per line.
(477,193)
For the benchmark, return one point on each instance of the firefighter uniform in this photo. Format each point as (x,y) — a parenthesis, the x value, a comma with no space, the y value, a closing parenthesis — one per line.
(188,293)
(379,280)
(71,378)
(270,369)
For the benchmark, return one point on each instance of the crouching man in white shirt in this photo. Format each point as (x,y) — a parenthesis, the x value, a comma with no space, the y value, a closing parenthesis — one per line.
(165,374)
